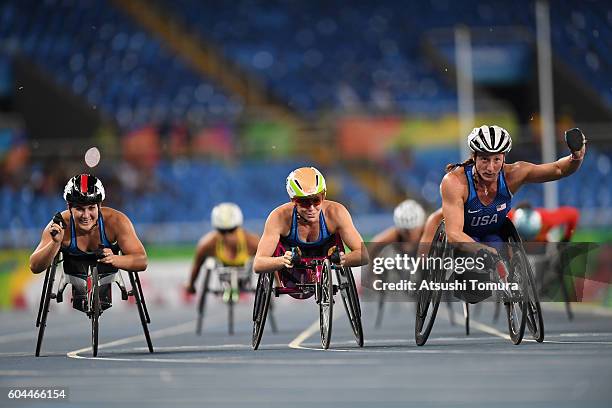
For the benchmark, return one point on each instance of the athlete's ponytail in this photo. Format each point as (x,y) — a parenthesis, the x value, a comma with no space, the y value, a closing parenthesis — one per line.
(452,166)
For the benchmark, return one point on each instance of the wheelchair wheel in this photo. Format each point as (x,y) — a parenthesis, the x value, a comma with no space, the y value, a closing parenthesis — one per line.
(94,309)
(230,312)
(45,299)
(516,315)
(380,309)
(202,302)
(466,314)
(428,300)
(535,321)
(137,292)
(516,307)
(350,298)
(261,305)
(326,304)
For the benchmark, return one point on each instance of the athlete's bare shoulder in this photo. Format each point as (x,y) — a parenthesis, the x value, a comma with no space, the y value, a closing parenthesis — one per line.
(454,184)
(112,216)
(281,211)
(280,217)
(333,207)
(456,176)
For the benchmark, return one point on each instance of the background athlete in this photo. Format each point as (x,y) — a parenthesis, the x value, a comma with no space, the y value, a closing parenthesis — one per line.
(402,238)
(545,225)
(228,243)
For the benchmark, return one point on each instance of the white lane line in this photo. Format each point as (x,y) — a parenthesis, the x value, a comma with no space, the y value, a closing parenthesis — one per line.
(22,373)
(586,334)
(157,334)
(492,330)
(312,329)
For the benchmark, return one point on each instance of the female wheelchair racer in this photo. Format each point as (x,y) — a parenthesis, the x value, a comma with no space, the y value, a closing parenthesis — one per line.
(301,247)
(476,197)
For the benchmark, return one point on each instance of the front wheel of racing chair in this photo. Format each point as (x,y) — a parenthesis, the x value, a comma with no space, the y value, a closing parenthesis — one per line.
(45,298)
(93,308)
(202,301)
(142,307)
(428,300)
(350,298)
(326,303)
(261,304)
(531,302)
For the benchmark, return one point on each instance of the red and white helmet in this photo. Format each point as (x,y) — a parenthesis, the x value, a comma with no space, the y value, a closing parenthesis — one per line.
(84,189)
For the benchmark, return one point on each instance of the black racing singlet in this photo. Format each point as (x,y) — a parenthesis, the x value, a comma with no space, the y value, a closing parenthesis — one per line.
(77,261)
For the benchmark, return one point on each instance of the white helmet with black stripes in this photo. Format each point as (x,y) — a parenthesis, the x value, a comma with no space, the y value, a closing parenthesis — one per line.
(490,139)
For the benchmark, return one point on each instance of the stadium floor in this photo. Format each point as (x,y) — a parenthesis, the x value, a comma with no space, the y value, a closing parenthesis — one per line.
(572,367)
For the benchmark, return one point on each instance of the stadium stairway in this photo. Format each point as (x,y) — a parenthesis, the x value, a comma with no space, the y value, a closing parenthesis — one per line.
(206,59)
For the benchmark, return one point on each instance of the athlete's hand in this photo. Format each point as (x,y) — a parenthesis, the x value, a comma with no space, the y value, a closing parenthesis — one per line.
(109,257)
(286,260)
(576,141)
(342,258)
(57,232)
(190,288)
(579,155)
(56,229)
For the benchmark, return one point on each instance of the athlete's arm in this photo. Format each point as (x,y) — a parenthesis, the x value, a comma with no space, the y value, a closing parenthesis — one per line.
(431,225)
(133,256)
(351,237)
(204,249)
(381,240)
(264,261)
(452,208)
(522,172)
(47,248)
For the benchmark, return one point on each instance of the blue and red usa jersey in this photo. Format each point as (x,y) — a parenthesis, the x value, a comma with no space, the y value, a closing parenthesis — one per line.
(479,219)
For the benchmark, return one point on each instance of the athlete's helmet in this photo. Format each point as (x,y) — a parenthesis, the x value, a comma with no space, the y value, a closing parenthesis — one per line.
(226,216)
(528,222)
(84,189)
(304,182)
(490,139)
(408,215)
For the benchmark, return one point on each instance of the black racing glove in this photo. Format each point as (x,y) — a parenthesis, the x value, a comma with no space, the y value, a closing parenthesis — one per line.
(59,220)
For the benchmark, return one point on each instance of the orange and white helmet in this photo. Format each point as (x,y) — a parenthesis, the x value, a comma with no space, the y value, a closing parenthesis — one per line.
(304,182)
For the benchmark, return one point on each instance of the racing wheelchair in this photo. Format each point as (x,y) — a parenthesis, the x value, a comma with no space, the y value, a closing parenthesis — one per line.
(310,276)
(230,283)
(522,305)
(91,294)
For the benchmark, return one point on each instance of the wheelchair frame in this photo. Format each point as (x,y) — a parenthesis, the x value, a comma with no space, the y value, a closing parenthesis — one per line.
(231,277)
(93,311)
(323,289)
(525,311)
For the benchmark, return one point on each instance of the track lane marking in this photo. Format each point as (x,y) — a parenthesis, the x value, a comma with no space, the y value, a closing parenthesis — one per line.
(493,331)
